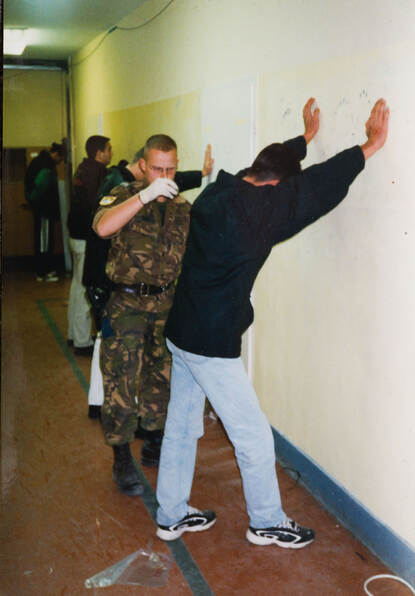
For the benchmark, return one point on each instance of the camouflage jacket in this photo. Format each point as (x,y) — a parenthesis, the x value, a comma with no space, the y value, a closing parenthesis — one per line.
(145,250)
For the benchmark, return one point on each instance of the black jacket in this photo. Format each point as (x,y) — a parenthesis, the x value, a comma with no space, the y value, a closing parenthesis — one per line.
(233,227)
(85,185)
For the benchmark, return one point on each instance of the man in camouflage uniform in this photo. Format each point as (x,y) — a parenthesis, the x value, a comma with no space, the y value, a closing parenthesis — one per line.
(148,232)
(97,284)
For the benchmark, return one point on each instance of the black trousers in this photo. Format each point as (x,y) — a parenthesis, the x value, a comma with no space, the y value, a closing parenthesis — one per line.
(44,229)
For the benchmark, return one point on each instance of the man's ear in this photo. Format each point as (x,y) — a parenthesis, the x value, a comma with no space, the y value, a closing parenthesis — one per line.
(142,164)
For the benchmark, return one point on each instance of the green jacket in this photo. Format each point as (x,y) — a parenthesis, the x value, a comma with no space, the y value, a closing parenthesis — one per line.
(44,197)
(41,186)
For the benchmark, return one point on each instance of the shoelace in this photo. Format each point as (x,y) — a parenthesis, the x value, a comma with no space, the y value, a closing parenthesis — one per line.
(290,524)
(191,510)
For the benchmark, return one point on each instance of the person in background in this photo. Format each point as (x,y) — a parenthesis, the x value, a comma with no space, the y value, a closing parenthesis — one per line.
(234,224)
(88,178)
(41,192)
(98,286)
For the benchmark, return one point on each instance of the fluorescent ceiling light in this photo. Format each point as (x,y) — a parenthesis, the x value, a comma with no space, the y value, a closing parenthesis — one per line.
(14,41)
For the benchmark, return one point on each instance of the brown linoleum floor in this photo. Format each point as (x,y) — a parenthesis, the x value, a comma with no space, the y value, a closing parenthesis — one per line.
(63,519)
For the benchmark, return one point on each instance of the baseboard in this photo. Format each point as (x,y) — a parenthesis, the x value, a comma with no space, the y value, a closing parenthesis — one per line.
(392,550)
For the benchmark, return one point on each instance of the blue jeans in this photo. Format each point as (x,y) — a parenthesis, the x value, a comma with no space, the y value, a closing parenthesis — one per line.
(225,383)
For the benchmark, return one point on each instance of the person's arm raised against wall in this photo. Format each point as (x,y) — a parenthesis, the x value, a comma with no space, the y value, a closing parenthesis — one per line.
(311,120)
(321,187)
(376,129)
(110,221)
(193,178)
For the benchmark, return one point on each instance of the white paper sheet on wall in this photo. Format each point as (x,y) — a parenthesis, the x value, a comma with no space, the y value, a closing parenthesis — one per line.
(228,115)
(228,123)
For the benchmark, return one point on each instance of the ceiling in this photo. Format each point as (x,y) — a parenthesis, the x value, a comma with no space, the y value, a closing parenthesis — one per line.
(58,28)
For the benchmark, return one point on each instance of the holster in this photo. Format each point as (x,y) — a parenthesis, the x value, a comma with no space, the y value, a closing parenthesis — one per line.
(98,296)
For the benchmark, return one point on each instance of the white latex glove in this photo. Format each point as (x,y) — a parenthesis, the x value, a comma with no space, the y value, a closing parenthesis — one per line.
(160,187)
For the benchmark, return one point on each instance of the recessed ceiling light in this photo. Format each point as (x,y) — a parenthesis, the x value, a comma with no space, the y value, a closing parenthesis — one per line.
(14,41)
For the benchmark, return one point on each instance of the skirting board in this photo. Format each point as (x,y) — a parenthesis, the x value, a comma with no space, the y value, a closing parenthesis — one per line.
(381,540)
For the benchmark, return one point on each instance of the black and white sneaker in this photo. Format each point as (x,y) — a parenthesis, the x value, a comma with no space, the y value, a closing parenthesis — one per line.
(288,535)
(194,521)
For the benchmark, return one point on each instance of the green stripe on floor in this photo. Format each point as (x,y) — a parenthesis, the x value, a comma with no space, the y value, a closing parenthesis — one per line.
(187,565)
(63,345)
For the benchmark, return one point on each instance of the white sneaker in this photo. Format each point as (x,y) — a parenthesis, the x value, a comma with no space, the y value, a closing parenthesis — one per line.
(51,276)
(194,521)
(288,535)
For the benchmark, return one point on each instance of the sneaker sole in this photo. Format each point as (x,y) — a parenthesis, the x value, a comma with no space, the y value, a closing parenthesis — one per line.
(262,541)
(169,535)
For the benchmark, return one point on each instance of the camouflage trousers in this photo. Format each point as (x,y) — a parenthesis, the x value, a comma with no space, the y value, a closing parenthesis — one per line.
(135,365)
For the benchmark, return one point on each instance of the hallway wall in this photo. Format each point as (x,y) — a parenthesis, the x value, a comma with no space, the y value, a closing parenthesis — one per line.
(34,107)
(34,116)
(334,327)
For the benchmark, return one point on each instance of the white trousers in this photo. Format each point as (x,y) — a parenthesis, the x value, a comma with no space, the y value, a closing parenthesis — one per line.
(96,385)
(79,310)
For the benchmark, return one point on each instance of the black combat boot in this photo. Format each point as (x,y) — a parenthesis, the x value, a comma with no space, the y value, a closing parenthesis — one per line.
(94,412)
(140,432)
(150,452)
(124,472)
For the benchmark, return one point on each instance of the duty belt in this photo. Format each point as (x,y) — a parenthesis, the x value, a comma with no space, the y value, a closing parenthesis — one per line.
(142,289)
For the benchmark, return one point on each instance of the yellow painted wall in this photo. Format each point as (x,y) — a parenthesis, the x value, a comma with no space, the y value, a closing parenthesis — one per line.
(177,117)
(33,107)
(333,351)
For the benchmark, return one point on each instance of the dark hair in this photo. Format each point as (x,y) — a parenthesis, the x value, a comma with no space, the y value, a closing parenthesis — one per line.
(57,148)
(275,161)
(160,142)
(137,155)
(94,144)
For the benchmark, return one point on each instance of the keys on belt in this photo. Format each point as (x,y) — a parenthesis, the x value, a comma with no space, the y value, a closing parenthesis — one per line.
(142,289)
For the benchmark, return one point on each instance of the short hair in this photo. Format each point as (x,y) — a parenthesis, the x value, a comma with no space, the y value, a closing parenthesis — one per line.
(94,144)
(57,148)
(160,142)
(137,155)
(275,161)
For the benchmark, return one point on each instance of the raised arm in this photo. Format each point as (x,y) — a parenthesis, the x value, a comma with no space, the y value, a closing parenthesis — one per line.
(311,125)
(109,222)
(319,188)
(193,178)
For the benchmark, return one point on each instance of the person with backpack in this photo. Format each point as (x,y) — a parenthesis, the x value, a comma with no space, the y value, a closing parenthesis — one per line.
(41,192)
